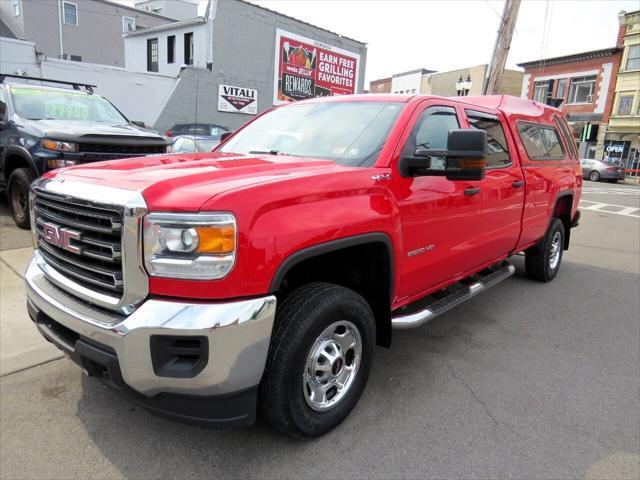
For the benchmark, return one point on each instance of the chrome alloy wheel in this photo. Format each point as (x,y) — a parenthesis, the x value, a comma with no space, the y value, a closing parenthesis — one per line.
(554,250)
(332,365)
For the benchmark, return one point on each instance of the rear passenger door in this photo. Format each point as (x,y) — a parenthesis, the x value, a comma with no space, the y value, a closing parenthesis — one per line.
(501,190)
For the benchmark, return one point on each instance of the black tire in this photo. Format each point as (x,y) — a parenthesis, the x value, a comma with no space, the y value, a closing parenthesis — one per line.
(594,176)
(18,193)
(538,259)
(300,320)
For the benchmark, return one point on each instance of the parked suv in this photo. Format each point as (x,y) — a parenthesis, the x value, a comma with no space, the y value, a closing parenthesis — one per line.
(43,127)
(258,278)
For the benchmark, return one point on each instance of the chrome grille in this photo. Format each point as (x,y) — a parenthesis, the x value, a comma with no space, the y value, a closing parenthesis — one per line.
(93,257)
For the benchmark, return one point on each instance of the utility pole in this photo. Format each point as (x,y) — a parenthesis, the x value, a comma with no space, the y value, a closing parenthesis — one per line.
(501,49)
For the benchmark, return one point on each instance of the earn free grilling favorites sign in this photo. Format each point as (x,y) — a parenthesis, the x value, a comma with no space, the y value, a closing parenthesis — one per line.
(233,99)
(306,68)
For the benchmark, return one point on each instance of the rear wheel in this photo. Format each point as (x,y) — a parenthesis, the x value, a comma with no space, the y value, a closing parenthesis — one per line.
(594,176)
(18,190)
(319,360)
(543,260)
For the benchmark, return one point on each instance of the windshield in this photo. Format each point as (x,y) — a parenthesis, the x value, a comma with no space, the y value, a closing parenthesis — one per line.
(349,133)
(41,104)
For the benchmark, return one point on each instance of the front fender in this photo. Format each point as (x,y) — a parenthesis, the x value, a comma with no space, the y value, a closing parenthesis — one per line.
(278,220)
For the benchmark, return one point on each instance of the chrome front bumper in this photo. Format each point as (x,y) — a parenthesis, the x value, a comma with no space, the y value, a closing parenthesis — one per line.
(238,335)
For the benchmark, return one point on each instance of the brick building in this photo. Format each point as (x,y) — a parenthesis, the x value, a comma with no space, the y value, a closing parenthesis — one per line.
(585,82)
(382,85)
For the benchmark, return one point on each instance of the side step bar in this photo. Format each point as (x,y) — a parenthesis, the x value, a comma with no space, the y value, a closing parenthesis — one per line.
(479,283)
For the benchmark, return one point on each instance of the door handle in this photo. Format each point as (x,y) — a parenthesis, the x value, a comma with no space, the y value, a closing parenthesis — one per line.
(518,184)
(471,191)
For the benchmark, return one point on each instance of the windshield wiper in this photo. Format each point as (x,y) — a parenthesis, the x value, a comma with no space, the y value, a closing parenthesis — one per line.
(271,152)
(264,152)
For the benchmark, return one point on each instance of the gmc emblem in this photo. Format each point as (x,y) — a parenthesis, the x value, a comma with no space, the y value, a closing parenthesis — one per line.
(61,237)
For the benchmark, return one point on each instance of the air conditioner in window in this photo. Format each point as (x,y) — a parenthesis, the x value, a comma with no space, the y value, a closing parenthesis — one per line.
(589,98)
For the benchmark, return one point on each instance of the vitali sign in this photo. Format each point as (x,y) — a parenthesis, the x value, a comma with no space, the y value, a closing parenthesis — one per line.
(237,99)
(306,68)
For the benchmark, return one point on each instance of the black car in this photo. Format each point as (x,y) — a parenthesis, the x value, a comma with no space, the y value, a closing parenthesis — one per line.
(43,128)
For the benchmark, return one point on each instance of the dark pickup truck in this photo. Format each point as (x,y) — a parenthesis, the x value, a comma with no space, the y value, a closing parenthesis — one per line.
(43,128)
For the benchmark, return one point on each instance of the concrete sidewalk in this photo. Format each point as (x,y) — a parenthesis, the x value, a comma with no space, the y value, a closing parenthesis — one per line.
(21,346)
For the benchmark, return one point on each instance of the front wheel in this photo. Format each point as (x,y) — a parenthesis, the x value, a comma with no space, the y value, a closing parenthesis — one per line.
(542,261)
(319,360)
(18,190)
(594,176)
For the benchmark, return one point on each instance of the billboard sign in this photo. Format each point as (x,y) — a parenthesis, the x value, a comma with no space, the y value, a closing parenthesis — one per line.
(307,68)
(233,99)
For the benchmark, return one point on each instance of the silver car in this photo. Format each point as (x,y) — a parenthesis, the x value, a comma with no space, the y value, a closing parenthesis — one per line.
(596,170)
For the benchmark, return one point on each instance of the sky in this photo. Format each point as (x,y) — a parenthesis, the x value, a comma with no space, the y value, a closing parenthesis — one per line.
(443,35)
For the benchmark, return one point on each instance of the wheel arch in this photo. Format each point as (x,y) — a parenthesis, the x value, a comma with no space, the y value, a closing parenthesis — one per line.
(371,254)
(562,211)
(16,157)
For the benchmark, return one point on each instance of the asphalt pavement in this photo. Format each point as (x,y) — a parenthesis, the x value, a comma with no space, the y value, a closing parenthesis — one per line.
(526,381)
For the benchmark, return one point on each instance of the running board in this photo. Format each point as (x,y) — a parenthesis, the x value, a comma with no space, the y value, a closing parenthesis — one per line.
(479,283)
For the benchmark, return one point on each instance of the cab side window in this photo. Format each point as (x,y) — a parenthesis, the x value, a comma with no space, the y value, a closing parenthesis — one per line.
(431,131)
(497,148)
(540,142)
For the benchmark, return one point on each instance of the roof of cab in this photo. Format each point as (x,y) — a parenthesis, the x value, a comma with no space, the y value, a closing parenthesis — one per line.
(505,103)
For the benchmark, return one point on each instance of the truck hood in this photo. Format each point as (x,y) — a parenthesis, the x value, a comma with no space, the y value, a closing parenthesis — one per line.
(184,182)
(93,132)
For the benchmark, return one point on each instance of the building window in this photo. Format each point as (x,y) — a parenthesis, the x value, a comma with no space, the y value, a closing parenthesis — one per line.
(128,24)
(152,55)
(16,7)
(625,104)
(171,48)
(562,88)
(188,48)
(581,89)
(633,58)
(70,11)
(540,90)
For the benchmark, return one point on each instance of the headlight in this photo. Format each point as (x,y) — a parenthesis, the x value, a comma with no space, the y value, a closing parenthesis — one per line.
(57,146)
(192,246)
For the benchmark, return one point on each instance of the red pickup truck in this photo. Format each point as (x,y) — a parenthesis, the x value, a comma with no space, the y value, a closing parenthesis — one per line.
(258,278)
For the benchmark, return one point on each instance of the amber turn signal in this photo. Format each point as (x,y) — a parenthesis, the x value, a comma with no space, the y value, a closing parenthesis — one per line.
(472,163)
(216,240)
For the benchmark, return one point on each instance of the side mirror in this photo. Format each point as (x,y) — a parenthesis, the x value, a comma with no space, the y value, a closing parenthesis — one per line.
(224,136)
(138,123)
(465,157)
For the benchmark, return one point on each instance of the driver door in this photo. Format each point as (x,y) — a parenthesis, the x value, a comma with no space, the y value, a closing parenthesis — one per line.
(439,216)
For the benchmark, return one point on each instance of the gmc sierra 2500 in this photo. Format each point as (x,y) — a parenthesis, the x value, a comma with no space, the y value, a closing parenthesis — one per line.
(258,278)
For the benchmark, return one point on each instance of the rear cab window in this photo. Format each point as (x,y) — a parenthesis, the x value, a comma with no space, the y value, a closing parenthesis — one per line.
(541,142)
